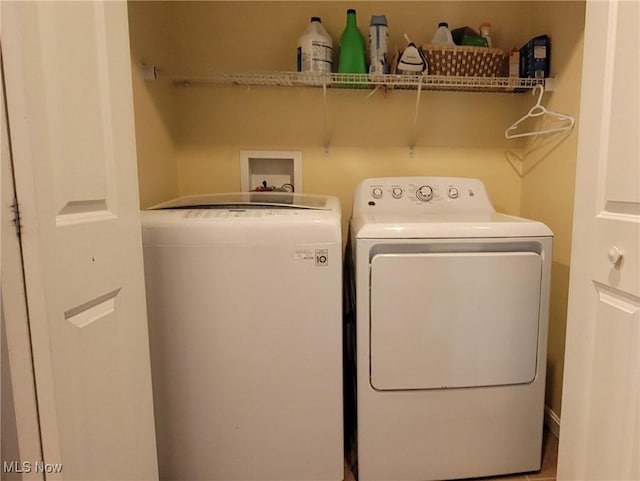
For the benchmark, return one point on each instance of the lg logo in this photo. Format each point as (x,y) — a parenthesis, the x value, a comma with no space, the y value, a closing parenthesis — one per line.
(322,257)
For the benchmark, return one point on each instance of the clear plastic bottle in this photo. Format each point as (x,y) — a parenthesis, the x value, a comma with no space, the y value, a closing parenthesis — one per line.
(442,35)
(315,49)
(352,47)
(378,40)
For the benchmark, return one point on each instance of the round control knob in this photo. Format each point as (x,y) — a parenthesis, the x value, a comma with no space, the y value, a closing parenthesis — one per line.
(615,255)
(396,192)
(424,193)
(376,193)
(453,193)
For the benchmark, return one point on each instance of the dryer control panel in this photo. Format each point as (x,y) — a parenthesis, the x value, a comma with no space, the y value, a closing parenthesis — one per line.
(420,194)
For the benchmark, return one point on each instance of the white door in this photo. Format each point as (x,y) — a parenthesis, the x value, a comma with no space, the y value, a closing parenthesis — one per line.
(600,431)
(69,99)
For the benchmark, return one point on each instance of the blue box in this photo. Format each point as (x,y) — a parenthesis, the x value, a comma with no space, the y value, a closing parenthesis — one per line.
(535,57)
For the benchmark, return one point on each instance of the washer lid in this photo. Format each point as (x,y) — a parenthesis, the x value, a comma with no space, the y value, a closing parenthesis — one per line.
(250,200)
(245,217)
(446,225)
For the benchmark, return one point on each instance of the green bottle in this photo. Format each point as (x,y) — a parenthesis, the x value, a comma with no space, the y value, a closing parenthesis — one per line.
(352,47)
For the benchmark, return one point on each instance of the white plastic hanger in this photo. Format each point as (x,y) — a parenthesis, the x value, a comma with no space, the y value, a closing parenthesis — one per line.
(536,111)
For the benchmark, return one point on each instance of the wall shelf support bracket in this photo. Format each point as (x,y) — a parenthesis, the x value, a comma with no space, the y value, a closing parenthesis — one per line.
(414,135)
(325,118)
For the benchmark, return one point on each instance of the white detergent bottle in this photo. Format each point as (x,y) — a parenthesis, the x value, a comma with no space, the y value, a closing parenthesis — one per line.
(442,35)
(315,49)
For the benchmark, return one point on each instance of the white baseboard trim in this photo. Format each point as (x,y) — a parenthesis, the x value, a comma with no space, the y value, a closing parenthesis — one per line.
(552,421)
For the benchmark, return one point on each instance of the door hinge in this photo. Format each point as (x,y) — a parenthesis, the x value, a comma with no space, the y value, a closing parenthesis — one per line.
(16,217)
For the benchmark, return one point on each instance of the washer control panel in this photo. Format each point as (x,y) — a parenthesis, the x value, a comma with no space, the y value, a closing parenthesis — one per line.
(419,194)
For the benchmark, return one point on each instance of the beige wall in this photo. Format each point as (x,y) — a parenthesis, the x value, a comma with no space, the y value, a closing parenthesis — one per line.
(152,42)
(368,137)
(548,188)
(189,138)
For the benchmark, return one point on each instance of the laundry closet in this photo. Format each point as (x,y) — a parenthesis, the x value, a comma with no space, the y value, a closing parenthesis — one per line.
(73,308)
(190,133)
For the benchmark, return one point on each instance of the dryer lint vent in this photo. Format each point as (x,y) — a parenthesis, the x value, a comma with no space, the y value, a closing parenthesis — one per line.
(270,169)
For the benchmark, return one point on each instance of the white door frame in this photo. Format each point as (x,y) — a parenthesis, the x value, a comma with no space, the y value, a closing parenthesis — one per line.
(15,318)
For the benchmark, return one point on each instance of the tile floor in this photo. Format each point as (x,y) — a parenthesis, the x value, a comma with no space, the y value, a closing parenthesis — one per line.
(549,463)
(547,473)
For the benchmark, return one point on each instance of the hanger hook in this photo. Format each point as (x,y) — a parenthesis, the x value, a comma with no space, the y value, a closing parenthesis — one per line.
(539,102)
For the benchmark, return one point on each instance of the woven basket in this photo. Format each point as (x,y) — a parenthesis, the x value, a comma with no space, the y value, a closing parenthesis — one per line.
(465,61)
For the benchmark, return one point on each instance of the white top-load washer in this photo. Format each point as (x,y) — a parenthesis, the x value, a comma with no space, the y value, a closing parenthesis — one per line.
(451,321)
(245,321)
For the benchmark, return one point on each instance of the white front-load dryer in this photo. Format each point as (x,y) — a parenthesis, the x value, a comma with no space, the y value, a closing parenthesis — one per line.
(245,323)
(451,318)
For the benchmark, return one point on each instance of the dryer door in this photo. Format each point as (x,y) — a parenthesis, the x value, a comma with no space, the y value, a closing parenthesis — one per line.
(453,320)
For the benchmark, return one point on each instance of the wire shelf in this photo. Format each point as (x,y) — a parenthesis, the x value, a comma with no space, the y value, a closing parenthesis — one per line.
(342,80)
